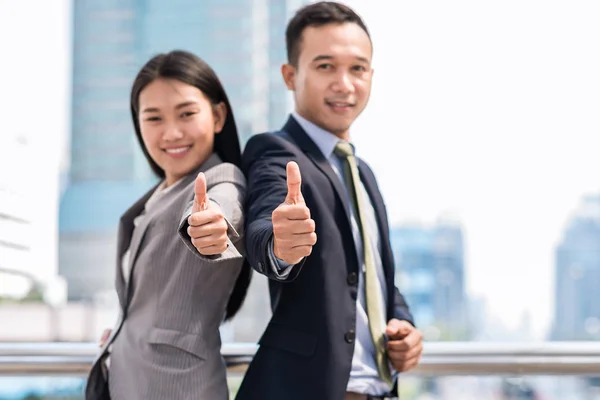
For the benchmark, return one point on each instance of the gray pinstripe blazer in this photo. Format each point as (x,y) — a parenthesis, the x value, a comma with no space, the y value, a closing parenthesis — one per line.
(167,343)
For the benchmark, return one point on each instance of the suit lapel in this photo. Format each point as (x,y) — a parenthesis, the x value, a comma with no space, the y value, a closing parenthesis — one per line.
(125,238)
(310,148)
(368,180)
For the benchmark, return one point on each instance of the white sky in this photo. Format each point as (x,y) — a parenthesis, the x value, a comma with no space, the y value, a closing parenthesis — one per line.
(488,110)
(34,101)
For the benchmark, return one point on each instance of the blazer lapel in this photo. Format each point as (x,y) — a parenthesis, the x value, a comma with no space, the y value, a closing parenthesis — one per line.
(125,239)
(310,148)
(368,180)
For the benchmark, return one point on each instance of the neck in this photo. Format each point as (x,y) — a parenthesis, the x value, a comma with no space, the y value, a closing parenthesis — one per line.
(171,180)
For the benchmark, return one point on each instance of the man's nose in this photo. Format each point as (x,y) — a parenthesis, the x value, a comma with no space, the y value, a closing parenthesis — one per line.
(343,84)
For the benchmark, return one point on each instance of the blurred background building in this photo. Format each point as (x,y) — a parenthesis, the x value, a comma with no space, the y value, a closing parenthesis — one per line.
(431,275)
(577,304)
(243,40)
(516,267)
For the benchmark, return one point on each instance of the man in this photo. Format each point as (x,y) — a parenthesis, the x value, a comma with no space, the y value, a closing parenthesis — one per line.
(340,328)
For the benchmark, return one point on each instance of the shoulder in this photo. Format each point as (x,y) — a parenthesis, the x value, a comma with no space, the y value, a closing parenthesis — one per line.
(279,140)
(224,173)
(218,175)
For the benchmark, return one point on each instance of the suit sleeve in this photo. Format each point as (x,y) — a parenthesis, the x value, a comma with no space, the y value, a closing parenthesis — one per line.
(228,193)
(264,164)
(401,310)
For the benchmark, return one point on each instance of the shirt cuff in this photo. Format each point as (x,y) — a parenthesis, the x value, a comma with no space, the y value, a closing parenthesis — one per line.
(279,267)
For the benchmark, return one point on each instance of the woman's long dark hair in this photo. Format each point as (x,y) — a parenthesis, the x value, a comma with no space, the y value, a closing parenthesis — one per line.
(192,70)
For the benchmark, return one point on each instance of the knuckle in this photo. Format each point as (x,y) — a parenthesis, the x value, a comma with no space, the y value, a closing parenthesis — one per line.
(276,226)
(281,210)
(305,212)
(278,229)
(276,214)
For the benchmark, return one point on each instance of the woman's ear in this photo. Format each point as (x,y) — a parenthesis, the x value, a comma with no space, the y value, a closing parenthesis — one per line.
(220,114)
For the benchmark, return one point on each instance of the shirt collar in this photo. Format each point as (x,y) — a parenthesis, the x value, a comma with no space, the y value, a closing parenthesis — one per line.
(325,141)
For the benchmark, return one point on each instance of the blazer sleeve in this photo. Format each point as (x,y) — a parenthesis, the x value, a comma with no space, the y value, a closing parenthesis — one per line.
(226,187)
(264,164)
(401,310)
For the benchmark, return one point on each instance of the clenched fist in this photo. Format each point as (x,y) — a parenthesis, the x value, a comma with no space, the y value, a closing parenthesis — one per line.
(207,226)
(405,345)
(293,229)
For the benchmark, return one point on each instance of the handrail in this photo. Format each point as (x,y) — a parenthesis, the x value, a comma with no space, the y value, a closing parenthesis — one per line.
(439,358)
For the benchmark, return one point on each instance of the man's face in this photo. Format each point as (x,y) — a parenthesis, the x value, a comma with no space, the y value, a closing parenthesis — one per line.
(332,81)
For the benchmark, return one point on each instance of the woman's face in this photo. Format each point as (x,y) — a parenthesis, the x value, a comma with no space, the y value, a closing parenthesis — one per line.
(178,125)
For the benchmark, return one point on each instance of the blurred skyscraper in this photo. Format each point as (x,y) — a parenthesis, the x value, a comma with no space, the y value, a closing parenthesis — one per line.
(243,40)
(280,100)
(577,305)
(430,272)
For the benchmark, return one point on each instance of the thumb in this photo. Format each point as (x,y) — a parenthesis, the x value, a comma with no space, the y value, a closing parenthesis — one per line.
(398,329)
(200,193)
(294,182)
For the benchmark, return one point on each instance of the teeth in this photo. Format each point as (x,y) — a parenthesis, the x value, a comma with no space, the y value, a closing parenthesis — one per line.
(178,150)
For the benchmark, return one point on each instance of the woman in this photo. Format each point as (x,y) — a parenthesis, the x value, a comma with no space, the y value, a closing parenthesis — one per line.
(180,267)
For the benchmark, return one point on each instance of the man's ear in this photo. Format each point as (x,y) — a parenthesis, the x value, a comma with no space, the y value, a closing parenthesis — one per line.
(288,72)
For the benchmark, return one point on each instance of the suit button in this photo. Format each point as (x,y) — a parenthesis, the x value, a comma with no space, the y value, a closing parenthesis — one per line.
(352,278)
(349,336)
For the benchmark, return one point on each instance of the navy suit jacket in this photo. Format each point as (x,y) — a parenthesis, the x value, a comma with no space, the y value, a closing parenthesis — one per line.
(307,348)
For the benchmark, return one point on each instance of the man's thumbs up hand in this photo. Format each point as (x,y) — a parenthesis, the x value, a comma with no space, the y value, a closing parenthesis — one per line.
(293,230)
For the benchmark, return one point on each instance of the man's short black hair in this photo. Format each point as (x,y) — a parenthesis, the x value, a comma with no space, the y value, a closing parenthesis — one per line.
(317,14)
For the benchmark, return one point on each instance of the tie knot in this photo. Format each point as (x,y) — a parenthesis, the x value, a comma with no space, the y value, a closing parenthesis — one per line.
(343,149)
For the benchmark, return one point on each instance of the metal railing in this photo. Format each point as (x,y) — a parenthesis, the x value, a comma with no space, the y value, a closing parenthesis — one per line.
(439,358)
